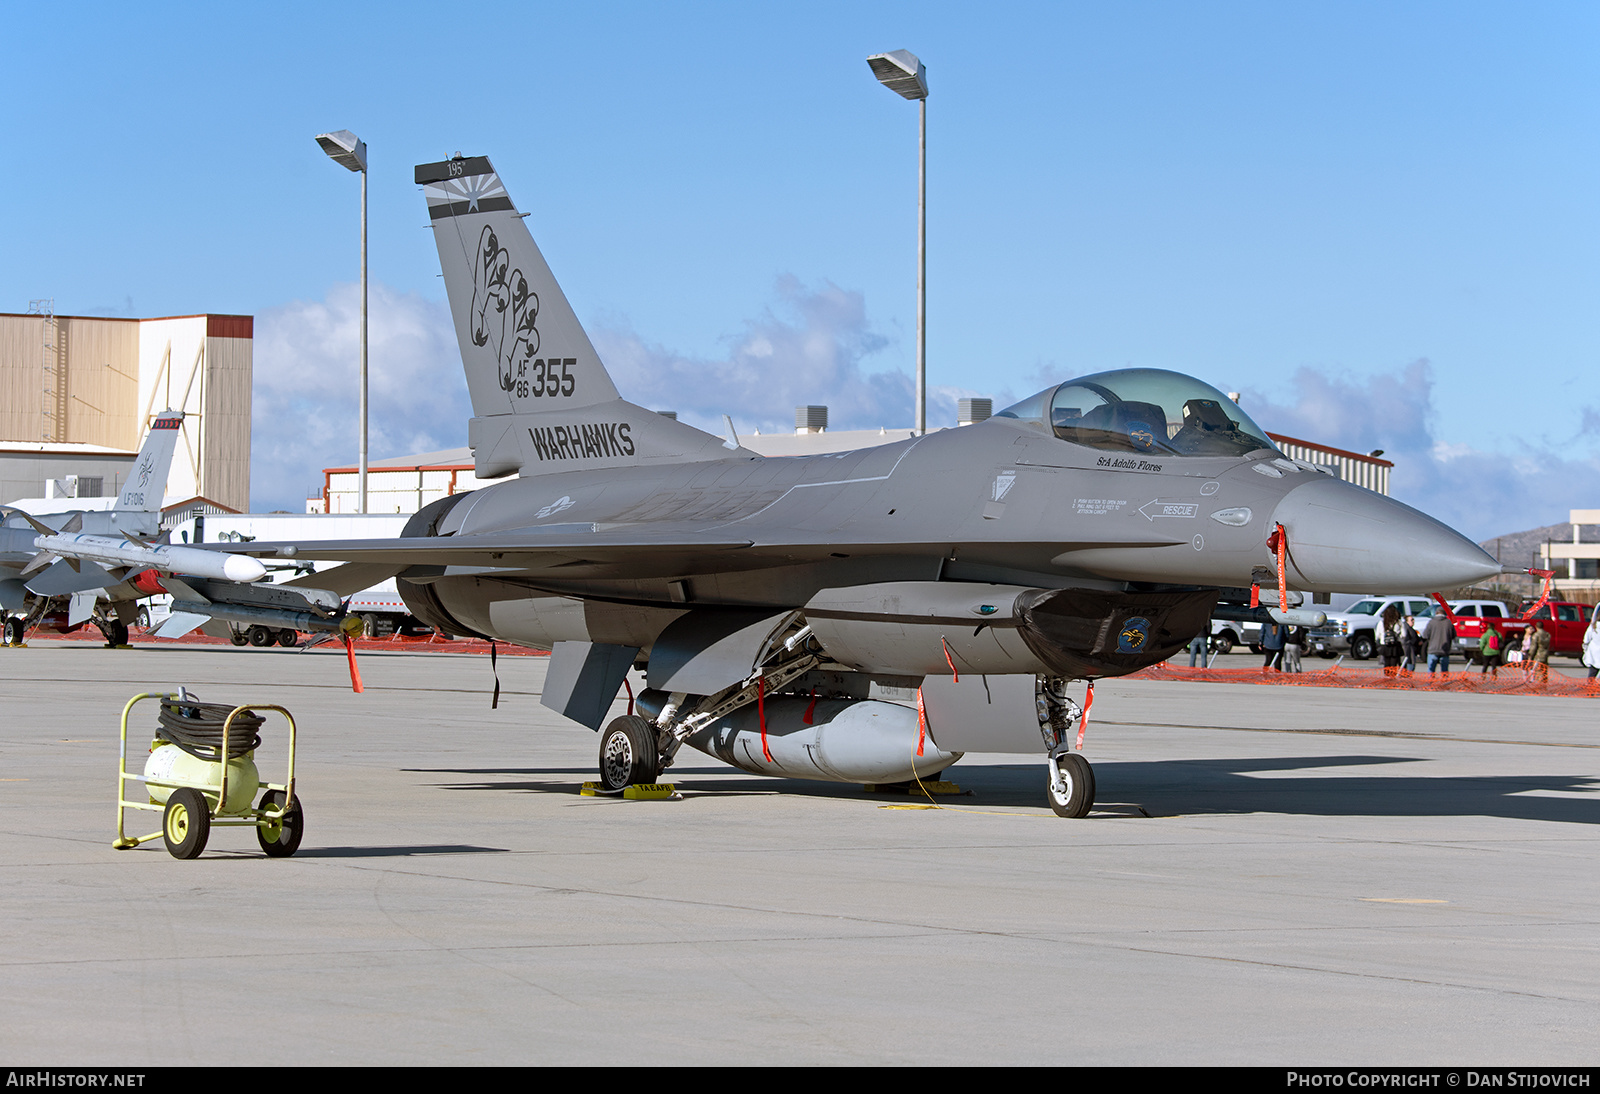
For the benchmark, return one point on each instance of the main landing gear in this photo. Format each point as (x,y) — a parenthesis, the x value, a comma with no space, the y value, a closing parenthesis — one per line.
(1070,789)
(629,753)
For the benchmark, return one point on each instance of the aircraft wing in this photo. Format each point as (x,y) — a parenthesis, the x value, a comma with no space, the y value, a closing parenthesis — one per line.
(640,554)
(628,553)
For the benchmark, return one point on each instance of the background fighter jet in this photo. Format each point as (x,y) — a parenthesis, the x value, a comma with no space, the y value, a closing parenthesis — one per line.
(57,588)
(1086,532)
(61,571)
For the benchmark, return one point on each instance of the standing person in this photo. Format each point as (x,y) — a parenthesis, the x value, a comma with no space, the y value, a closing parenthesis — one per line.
(1409,641)
(1271,643)
(1293,642)
(1439,636)
(1197,648)
(1489,649)
(1591,643)
(1539,651)
(1389,640)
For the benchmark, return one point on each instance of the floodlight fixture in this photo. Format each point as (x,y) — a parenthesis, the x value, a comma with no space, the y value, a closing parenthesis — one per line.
(350,151)
(901,73)
(345,149)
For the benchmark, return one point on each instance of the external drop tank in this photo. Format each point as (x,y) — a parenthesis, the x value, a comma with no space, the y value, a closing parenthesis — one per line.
(835,740)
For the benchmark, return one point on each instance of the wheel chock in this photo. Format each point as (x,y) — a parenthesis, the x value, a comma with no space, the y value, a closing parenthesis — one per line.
(636,792)
(651,792)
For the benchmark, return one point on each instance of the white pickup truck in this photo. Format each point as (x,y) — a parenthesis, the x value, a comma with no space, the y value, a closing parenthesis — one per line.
(1355,630)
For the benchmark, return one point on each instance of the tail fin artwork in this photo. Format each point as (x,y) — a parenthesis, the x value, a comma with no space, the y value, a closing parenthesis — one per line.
(541,399)
(139,505)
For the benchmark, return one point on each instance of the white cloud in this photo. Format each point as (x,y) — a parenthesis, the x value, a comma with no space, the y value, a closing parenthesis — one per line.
(307,386)
(808,348)
(1480,493)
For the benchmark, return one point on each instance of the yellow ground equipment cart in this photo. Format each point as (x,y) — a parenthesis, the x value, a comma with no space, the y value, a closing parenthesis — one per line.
(201,772)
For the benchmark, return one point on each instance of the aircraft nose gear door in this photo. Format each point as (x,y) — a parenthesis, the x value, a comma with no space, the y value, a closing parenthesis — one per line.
(1071,786)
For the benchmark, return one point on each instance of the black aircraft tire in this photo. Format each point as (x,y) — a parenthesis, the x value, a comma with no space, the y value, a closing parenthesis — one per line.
(282,839)
(1079,777)
(13,635)
(628,753)
(259,636)
(186,825)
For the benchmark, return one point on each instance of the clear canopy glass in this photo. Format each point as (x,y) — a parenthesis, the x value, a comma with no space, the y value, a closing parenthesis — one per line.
(1146,410)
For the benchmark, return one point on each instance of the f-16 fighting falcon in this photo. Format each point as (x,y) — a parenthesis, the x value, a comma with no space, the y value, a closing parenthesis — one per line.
(1086,532)
(51,585)
(93,566)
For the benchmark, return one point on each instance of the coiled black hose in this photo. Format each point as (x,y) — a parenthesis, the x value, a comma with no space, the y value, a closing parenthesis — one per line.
(196,728)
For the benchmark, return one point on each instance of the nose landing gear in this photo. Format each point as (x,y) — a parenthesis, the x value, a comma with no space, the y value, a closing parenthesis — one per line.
(1070,789)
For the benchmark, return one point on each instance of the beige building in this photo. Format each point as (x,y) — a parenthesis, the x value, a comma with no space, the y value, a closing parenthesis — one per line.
(400,485)
(1577,564)
(86,388)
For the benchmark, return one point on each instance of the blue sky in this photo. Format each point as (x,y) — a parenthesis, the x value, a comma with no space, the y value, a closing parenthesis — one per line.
(1380,221)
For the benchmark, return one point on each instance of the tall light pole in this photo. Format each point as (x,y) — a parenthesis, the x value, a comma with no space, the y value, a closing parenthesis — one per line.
(903,74)
(348,150)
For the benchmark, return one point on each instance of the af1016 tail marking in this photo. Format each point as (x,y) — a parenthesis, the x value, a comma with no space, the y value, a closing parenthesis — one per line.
(146,487)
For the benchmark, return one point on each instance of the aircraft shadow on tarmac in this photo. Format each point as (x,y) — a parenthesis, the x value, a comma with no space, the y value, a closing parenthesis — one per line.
(1165,788)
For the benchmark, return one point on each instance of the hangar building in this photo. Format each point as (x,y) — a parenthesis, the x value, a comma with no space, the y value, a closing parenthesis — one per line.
(78,392)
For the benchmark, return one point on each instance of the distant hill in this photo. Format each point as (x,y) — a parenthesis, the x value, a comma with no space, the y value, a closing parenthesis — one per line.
(1522,548)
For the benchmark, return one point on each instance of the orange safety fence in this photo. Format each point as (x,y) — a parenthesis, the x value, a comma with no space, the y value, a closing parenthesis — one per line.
(1517,678)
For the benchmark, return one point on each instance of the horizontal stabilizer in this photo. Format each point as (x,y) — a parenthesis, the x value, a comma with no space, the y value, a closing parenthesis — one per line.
(179,624)
(349,578)
(61,578)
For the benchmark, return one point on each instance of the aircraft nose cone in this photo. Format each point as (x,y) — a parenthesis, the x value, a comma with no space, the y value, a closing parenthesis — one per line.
(1343,538)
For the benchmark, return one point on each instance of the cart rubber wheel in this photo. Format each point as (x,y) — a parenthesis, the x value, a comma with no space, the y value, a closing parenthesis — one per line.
(259,636)
(187,823)
(282,839)
(628,753)
(1079,779)
(288,639)
(238,638)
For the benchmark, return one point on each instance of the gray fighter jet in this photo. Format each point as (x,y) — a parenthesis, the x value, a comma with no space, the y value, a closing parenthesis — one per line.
(63,571)
(57,590)
(1086,532)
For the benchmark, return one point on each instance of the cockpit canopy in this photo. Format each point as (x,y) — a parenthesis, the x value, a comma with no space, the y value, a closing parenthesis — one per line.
(1146,410)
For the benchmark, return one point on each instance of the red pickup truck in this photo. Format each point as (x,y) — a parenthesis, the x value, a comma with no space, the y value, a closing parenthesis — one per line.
(1565,620)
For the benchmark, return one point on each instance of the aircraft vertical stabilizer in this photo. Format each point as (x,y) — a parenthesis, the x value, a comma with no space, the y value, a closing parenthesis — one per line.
(146,487)
(541,399)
